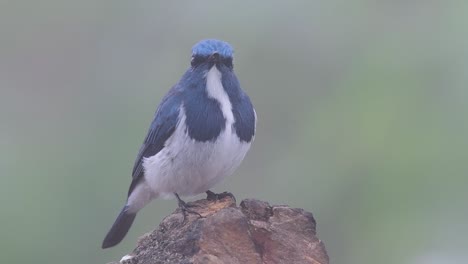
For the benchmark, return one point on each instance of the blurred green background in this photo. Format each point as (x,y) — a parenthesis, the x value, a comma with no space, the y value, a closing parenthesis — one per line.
(362,110)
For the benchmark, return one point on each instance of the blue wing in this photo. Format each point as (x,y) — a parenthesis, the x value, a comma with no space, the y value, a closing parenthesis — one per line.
(162,127)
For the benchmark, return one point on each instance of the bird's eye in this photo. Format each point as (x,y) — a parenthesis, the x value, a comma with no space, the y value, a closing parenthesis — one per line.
(228,62)
(196,60)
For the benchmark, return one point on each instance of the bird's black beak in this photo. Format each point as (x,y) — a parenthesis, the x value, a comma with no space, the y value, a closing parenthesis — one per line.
(215,58)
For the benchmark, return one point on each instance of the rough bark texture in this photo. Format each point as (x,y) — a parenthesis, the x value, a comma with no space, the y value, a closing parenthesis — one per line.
(254,232)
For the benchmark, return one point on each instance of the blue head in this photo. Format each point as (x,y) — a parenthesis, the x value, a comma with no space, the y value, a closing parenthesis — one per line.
(208,47)
(212,51)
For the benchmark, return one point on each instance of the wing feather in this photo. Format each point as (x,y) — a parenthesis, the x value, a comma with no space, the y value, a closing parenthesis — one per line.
(161,128)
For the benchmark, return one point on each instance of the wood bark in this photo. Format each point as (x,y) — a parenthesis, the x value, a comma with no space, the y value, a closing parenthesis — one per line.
(253,232)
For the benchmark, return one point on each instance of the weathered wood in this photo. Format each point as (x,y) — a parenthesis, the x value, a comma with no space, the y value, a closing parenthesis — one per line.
(253,232)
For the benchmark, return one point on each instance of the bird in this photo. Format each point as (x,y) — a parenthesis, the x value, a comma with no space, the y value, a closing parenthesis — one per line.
(201,131)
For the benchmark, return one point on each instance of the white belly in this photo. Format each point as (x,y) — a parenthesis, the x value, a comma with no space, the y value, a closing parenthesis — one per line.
(187,167)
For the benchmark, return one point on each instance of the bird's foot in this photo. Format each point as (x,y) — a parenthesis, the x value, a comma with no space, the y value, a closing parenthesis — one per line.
(185,208)
(211,196)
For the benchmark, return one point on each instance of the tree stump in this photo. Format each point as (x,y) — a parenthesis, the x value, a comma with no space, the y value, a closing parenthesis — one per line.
(253,232)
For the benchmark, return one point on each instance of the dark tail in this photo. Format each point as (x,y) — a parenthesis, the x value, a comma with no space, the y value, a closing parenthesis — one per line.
(119,229)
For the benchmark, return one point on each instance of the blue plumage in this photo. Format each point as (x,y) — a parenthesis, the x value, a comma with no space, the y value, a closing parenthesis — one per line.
(242,108)
(162,127)
(210,46)
(205,119)
(200,133)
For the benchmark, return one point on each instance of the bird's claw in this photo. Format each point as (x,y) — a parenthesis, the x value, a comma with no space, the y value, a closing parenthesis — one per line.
(185,208)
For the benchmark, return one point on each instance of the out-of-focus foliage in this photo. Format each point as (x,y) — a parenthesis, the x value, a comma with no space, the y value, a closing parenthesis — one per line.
(362,110)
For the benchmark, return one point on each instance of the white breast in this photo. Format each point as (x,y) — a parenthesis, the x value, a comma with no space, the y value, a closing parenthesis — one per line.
(216,91)
(188,167)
